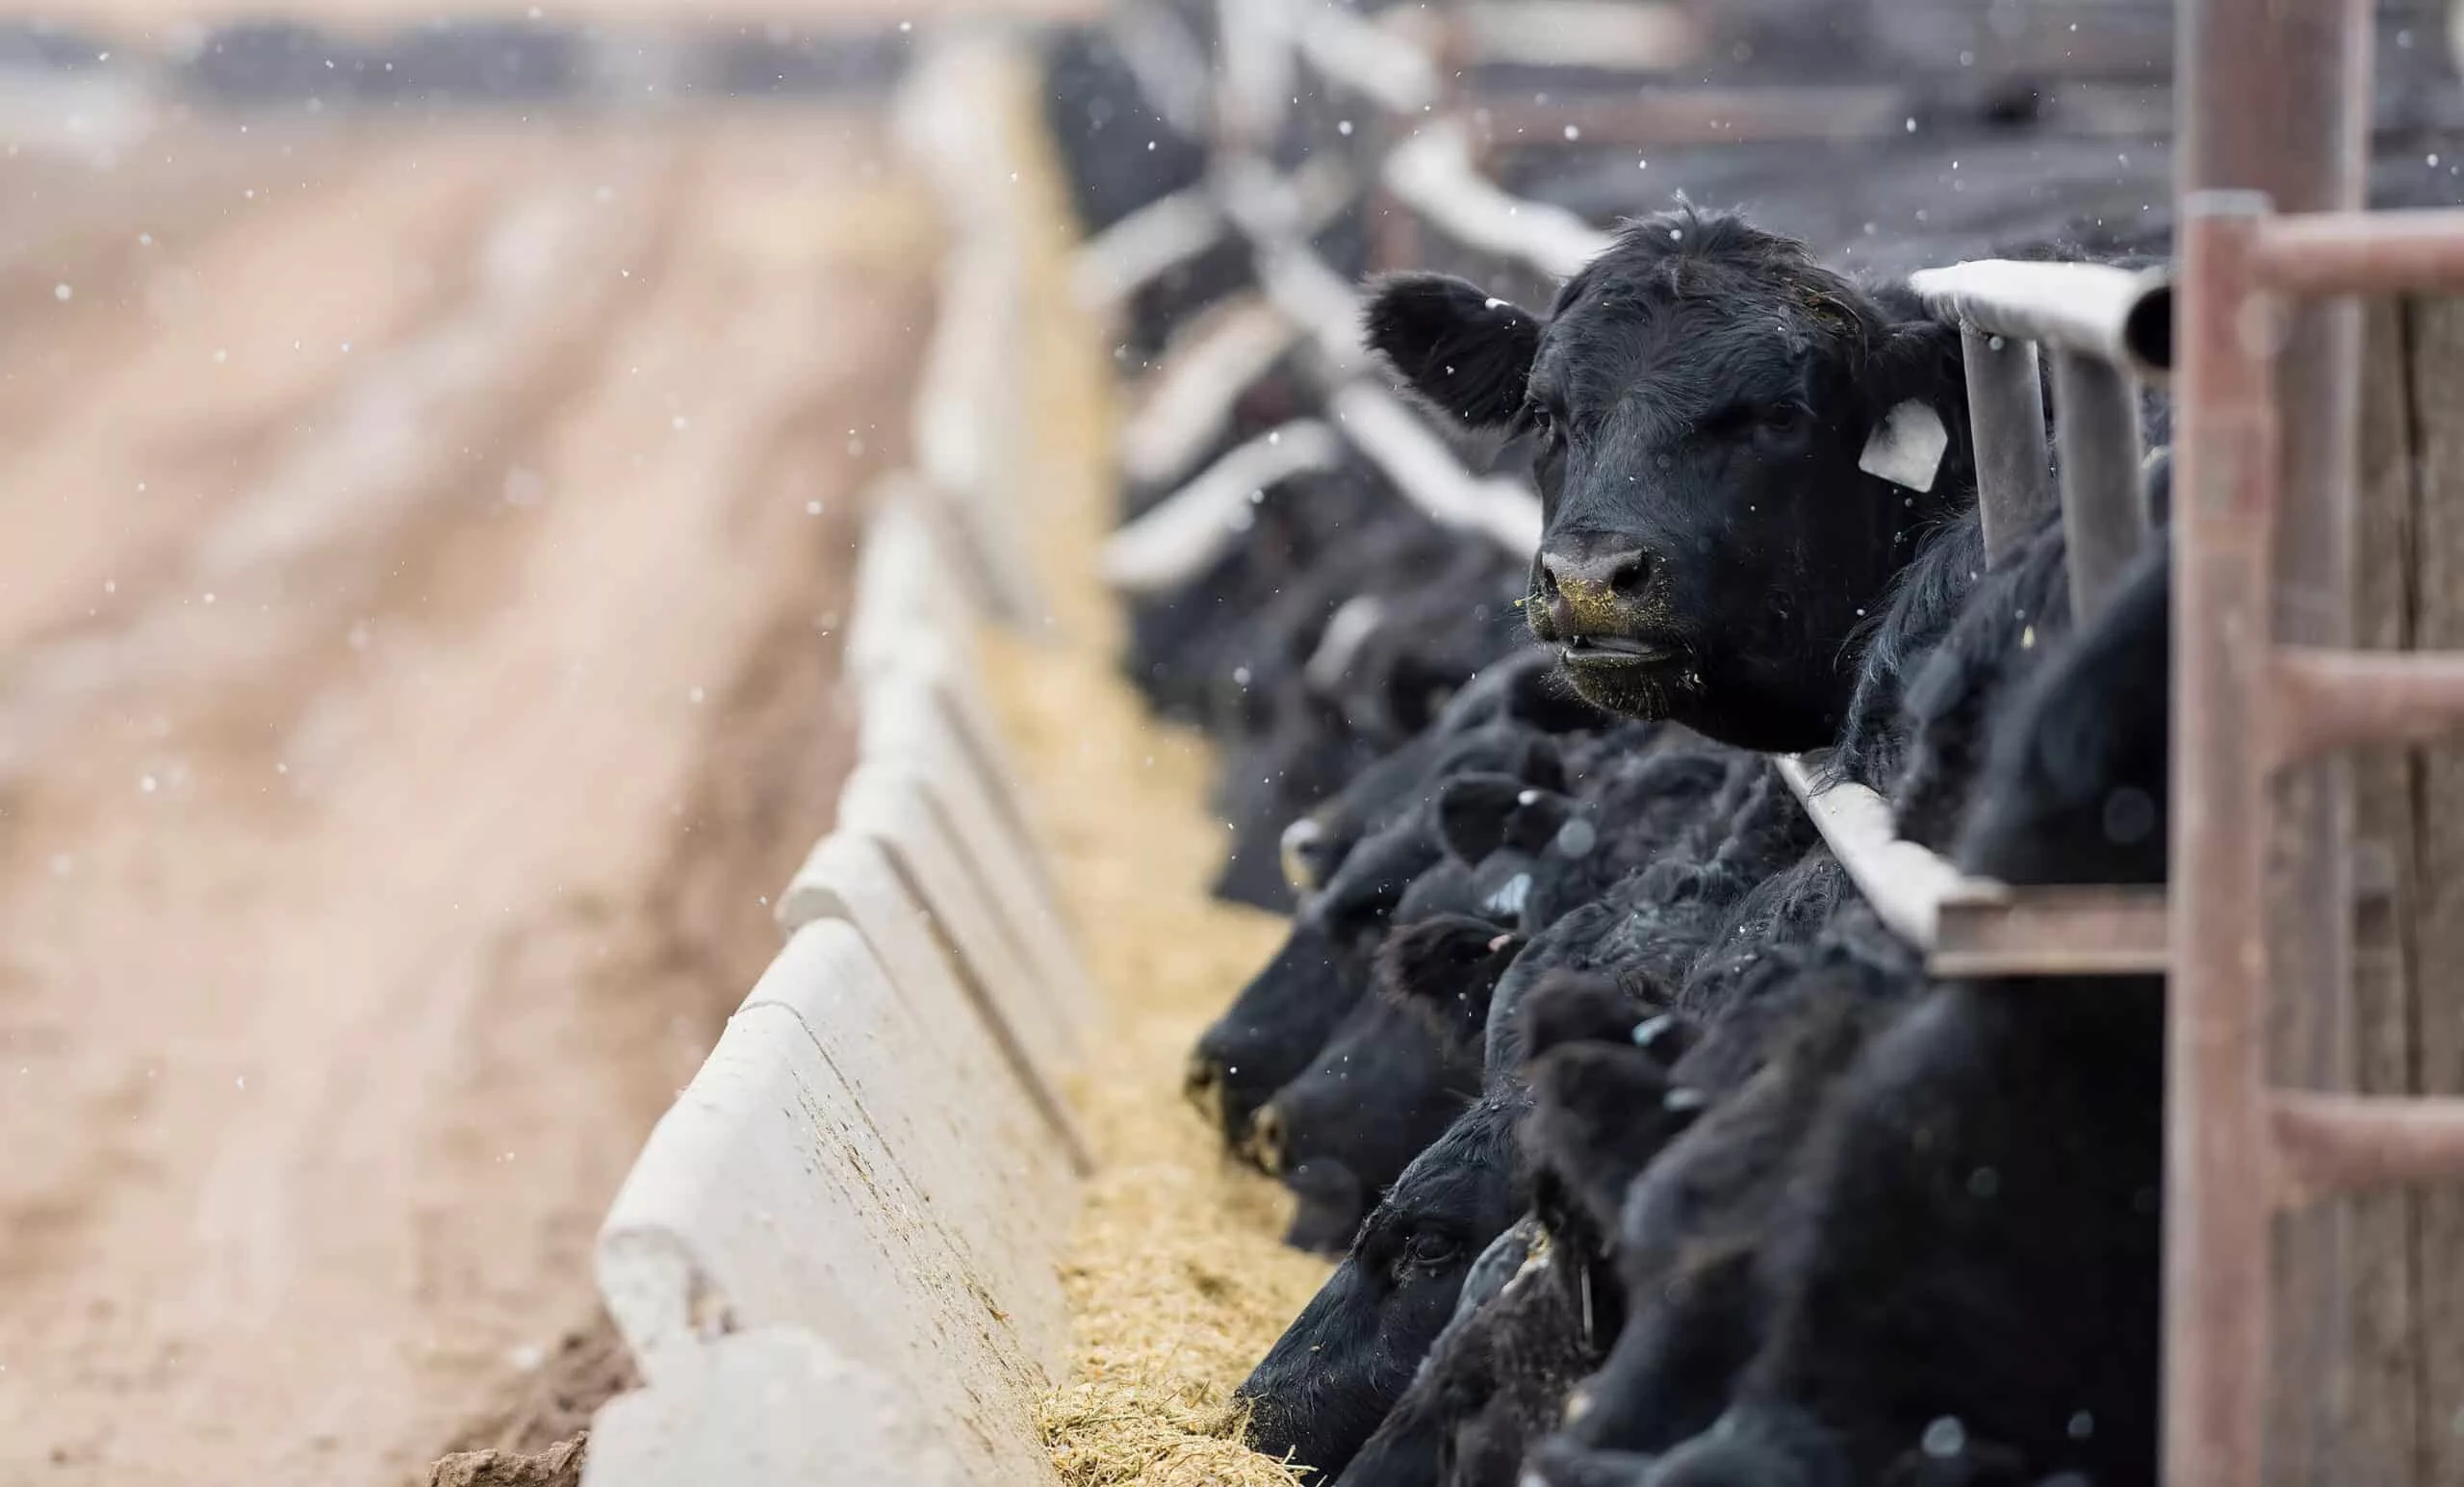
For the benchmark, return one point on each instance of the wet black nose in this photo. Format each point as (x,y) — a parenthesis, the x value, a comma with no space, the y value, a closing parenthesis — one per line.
(1583,580)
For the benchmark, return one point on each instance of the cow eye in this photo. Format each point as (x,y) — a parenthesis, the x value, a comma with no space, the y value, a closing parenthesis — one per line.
(1431,1250)
(1781,417)
(1537,417)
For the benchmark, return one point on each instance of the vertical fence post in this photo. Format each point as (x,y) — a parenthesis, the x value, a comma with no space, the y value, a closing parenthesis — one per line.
(2006,410)
(2273,98)
(2104,513)
(2217,1213)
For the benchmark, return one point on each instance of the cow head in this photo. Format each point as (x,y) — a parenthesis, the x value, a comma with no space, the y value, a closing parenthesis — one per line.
(1736,450)
(1383,1087)
(1347,1357)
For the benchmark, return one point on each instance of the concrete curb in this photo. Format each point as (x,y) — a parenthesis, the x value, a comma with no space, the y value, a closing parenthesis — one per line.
(965,414)
(776,1408)
(835,1258)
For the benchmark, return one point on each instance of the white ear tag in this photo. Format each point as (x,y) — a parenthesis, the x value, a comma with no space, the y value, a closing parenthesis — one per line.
(1907,447)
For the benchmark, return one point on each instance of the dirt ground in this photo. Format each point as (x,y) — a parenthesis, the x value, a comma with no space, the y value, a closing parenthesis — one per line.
(420,557)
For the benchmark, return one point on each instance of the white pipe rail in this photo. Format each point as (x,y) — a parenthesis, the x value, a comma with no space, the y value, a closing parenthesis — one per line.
(1167,63)
(1274,207)
(1319,299)
(1971,926)
(2122,315)
(1143,245)
(1254,71)
(1173,230)
(1192,393)
(1366,57)
(1311,295)
(1190,529)
(1609,34)
(1433,174)
(1430,476)
(1905,884)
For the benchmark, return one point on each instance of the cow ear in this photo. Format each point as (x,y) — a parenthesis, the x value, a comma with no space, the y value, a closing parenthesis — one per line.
(1542,765)
(1598,1114)
(1570,1007)
(1457,347)
(1919,357)
(1916,385)
(1473,811)
(1536,822)
(1444,966)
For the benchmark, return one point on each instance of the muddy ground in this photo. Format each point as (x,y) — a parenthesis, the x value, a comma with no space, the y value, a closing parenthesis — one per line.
(420,555)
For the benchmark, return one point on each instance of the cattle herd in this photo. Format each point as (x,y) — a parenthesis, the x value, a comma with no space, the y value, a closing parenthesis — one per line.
(1650,1154)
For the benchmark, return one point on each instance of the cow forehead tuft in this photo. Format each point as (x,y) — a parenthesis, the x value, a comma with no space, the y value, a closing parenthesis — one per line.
(1823,304)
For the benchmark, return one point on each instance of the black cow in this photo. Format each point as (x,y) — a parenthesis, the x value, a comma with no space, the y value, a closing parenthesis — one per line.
(1520,687)
(1406,1062)
(1276,1026)
(1339,1368)
(1999,626)
(1307,543)
(1966,1271)
(1689,1228)
(1789,982)
(1495,1375)
(1387,1083)
(1419,631)
(1332,1378)
(1713,407)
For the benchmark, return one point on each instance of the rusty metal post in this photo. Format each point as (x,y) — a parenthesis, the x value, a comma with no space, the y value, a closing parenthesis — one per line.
(2104,512)
(2217,1288)
(2397,253)
(2275,98)
(2005,413)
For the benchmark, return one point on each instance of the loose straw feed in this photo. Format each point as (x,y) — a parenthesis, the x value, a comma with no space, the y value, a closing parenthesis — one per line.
(1176,1281)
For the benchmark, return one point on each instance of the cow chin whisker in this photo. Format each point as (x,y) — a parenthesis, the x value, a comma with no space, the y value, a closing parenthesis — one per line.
(1650,698)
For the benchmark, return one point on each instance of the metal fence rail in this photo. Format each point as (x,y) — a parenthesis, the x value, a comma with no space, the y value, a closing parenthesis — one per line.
(2243,1148)
(2106,328)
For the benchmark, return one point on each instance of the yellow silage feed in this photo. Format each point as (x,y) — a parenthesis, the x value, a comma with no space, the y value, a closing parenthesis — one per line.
(1176,1281)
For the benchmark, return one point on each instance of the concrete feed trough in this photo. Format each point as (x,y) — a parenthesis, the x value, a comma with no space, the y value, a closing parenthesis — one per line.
(835,1259)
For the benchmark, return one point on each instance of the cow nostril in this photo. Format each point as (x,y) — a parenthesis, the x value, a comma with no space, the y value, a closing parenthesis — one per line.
(1630,574)
(1266,1138)
(1590,577)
